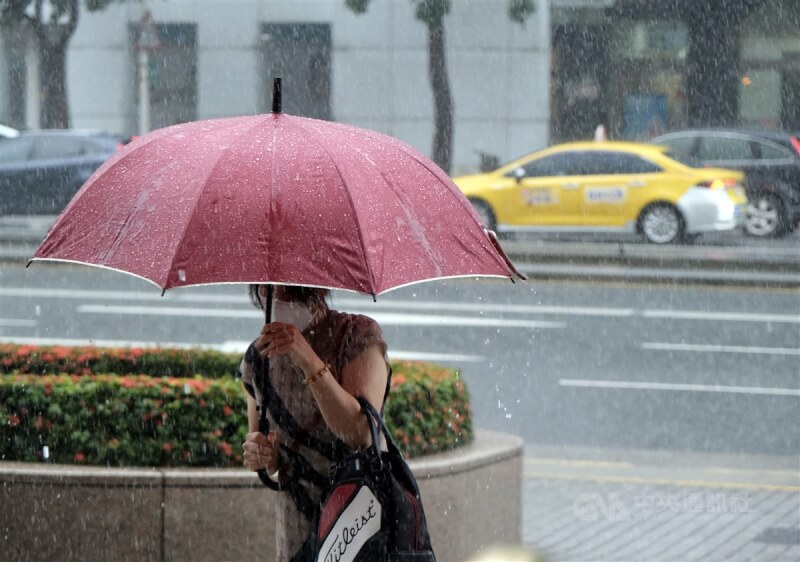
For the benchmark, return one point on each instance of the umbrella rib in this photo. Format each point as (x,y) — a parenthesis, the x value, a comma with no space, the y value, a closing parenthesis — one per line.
(373,283)
(433,171)
(199,194)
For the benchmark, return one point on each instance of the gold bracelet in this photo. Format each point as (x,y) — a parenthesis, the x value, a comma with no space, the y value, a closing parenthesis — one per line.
(318,375)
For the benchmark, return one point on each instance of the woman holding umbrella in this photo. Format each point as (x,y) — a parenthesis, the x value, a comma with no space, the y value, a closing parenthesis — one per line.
(320,360)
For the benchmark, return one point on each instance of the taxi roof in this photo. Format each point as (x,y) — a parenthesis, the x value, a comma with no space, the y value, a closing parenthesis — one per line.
(610,145)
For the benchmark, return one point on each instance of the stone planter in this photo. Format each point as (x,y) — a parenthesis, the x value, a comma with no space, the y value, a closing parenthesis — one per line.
(472,499)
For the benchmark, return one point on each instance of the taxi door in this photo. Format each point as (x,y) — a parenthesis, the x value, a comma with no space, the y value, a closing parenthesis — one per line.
(612,195)
(548,191)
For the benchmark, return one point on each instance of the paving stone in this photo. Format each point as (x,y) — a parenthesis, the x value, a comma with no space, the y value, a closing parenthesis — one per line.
(589,520)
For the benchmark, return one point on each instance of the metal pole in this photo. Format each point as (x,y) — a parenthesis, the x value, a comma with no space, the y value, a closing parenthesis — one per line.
(144,91)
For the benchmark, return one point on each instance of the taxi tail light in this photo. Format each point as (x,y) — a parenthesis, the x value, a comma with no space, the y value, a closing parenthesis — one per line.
(728,183)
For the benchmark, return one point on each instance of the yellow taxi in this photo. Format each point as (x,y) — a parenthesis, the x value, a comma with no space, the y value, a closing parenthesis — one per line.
(607,187)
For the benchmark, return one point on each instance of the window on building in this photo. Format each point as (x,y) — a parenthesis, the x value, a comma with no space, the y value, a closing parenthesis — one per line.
(300,54)
(172,74)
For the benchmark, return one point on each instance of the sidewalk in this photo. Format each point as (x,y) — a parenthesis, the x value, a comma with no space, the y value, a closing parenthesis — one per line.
(641,506)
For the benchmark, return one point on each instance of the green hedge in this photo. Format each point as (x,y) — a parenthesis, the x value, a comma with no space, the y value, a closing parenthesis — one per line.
(141,420)
(41,360)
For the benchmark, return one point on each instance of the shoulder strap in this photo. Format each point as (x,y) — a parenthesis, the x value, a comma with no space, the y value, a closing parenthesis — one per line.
(378,426)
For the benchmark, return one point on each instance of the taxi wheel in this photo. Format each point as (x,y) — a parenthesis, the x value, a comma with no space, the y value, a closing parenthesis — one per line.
(662,223)
(485,213)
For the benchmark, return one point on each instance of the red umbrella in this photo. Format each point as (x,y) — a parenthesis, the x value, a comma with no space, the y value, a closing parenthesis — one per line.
(274,198)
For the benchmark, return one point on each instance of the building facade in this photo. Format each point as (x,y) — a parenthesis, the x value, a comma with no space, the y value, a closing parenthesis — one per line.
(627,68)
(218,58)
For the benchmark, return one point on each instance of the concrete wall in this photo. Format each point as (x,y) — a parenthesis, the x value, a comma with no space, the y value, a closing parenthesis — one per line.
(472,500)
(499,70)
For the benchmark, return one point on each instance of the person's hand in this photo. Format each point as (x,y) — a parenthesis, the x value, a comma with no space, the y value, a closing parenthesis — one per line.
(279,338)
(261,451)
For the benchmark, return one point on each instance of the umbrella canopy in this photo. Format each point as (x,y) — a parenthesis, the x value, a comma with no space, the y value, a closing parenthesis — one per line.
(274,198)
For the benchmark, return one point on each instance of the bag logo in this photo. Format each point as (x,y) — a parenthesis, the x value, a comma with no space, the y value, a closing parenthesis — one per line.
(352,529)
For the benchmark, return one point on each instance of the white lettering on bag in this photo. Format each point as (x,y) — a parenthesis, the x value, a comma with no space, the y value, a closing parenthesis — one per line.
(357,523)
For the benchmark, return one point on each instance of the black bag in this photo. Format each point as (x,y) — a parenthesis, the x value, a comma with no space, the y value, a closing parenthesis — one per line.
(372,510)
(383,477)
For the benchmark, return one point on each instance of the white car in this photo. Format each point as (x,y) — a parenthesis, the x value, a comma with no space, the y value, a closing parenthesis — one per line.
(8,132)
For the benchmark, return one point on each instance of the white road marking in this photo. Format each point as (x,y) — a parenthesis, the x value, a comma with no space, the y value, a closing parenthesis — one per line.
(722,316)
(17,322)
(383,318)
(365,303)
(635,385)
(486,307)
(369,307)
(720,348)
(225,347)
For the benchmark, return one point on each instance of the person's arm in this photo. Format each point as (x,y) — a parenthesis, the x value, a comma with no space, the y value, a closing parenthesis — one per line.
(252,414)
(259,451)
(364,376)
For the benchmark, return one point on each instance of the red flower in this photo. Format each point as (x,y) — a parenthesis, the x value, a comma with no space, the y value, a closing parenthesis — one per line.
(167,447)
(79,457)
(226,448)
(227,410)
(13,420)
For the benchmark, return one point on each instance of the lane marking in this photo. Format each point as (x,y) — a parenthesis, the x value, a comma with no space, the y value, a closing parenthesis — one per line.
(577,462)
(625,465)
(635,385)
(225,347)
(383,318)
(724,316)
(361,304)
(392,304)
(488,307)
(720,348)
(533,475)
(18,322)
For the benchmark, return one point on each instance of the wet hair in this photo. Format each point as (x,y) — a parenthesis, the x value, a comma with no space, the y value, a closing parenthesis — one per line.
(314,297)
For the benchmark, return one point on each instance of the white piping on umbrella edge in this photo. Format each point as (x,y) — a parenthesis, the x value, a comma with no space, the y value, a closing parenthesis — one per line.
(163,290)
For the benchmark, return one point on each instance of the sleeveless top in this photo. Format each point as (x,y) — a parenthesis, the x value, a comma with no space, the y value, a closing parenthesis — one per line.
(337,338)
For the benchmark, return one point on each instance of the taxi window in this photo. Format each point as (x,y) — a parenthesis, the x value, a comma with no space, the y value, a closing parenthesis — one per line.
(610,163)
(554,165)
